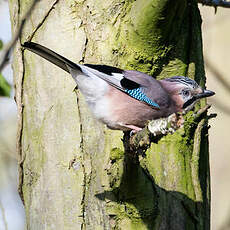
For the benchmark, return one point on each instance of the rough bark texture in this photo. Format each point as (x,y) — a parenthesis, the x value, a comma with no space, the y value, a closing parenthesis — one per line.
(74,172)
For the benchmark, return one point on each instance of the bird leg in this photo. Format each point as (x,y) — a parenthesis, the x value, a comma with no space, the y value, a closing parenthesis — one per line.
(134,129)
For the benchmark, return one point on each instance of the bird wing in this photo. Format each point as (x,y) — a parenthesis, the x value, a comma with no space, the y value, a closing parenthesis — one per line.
(111,75)
(133,83)
(122,79)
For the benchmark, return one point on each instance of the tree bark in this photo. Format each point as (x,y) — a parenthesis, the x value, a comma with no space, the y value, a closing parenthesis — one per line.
(74,172)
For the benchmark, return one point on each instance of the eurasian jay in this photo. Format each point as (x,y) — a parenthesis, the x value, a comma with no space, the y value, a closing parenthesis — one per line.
(126,99)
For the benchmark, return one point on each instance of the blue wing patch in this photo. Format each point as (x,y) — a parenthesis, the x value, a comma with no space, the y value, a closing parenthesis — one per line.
(139,95)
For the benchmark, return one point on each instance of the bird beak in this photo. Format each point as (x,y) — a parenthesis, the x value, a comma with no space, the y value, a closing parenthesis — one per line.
(205,93)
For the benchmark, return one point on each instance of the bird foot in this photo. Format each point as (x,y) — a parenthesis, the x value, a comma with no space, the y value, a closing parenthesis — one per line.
(166,125)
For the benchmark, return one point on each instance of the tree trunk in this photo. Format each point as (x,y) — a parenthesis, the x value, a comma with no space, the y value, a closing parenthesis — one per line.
(74,172)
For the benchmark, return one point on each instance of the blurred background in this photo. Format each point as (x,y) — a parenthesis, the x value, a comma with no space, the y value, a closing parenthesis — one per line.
(216,48)
(216,37)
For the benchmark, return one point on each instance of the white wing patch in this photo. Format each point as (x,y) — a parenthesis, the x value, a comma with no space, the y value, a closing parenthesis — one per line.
(113,79)
(118,76)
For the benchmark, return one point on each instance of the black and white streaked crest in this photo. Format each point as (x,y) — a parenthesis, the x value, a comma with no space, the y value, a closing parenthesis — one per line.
(184,80)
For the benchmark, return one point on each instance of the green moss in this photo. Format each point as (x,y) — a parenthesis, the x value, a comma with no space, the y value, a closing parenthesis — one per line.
(147,43)
(116,154)
(175,67)
(169,161)
(129,212)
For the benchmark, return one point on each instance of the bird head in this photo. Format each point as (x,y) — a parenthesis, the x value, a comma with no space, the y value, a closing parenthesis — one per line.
(184,91)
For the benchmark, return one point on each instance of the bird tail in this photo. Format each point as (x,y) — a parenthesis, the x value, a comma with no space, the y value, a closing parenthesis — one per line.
(51,56)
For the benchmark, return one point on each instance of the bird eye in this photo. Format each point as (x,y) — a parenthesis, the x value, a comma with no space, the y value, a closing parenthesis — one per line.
(186,93)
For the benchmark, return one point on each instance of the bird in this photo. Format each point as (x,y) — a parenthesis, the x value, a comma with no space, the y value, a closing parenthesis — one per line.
(126,99)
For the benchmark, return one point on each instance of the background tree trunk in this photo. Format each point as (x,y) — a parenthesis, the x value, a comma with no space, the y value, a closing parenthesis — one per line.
(74,172)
